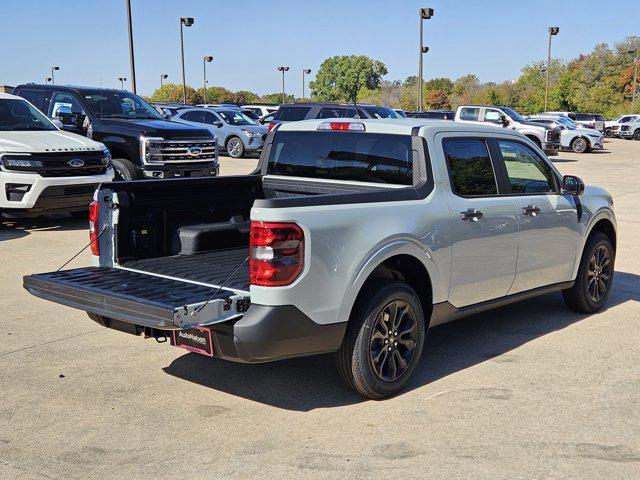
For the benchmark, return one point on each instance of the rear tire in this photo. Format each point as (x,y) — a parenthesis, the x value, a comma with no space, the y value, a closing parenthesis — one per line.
(383,342)
(608,133)
(595,276)
(580,145)
(235,147)
(124,170)
(636,134)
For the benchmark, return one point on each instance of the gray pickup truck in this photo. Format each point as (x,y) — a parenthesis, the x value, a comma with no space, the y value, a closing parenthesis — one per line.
(352,236)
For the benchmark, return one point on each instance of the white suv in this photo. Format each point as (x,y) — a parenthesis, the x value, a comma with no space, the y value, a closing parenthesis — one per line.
(44,169)
(572,136)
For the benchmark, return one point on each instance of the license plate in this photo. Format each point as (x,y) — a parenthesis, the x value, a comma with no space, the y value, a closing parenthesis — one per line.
(195,339)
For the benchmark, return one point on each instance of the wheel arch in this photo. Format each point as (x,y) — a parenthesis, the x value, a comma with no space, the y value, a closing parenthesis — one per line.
(403,264)
(534,138)
(606,226)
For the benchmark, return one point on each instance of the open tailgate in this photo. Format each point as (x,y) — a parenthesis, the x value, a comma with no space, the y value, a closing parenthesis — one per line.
(138,298)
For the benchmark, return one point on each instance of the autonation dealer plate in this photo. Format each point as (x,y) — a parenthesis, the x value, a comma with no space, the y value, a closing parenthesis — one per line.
(195,339)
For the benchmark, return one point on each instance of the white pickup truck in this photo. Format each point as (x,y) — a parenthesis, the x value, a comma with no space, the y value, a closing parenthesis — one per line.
(44,169)
(545,137)
(352,236)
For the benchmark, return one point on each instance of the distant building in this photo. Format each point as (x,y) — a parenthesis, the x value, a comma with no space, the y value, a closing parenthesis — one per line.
(6,89)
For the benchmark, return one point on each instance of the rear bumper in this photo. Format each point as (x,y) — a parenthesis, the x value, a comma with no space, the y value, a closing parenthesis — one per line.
(267,333)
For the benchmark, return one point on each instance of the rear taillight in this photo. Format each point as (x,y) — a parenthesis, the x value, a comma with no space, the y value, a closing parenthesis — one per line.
(277,251)
(93,228)
(270,126)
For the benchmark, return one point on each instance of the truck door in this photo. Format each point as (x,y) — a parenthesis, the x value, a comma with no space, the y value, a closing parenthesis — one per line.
(548,221)
(484,224)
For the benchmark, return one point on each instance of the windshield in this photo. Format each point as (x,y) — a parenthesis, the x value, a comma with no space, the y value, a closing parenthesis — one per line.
(235,117)
(119,104)
(513,114)
(16,114)
(381,112)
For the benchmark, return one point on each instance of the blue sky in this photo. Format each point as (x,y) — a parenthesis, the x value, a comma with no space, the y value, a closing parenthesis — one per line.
(250,38)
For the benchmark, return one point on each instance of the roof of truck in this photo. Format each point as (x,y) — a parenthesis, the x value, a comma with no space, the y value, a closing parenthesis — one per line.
(399,126)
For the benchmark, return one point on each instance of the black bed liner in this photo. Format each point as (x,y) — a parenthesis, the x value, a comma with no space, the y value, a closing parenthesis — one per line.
(129,296)
(213,268)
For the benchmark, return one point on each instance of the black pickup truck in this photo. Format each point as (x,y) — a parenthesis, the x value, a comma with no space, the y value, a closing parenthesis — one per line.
(142,142)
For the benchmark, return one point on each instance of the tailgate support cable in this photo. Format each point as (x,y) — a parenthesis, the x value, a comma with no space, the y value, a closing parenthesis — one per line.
(199,309)
(104,229)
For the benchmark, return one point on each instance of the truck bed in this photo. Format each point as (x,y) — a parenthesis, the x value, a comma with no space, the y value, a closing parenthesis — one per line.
(212,268)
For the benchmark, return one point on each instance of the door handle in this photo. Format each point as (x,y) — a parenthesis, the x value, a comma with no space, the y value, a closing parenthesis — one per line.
(530,210)
(472,215)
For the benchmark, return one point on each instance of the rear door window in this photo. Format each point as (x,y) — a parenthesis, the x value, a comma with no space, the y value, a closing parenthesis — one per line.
(291,114)
(470,114)
(363,157)
(333,112)
(583,117)
(38,98)
(470,167)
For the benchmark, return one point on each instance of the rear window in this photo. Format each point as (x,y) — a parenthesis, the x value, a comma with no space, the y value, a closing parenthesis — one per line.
(362,157)
(291,114)
(583,116)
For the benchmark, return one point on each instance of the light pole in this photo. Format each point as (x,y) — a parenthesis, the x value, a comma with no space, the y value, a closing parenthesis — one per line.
(552,31)
(131,59)
(163,76)
(47,80)
(53,77)
(283,69)
(205,60)
(425,14)
(305,71)
(187,22)
(635,75)
(122,80)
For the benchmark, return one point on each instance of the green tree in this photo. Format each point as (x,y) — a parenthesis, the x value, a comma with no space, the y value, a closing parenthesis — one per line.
(443,84)
(276,98)
(171,92)
(342,77)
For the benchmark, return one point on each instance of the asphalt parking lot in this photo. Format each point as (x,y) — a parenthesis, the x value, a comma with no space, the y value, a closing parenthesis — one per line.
(528,391)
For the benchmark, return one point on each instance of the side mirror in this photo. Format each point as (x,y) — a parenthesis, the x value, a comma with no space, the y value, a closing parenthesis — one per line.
(166,113)
(217,124)
(57,123)
(503,120)
(572,185)
(63,114)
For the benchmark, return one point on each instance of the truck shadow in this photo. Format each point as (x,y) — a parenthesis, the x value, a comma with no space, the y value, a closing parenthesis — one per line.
(308,383)
(14,228)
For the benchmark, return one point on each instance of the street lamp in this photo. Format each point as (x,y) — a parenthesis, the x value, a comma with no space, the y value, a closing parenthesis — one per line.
(204,81)
(305,71)
(187,22)
(47,80)
(283,69)
(552,31)
(163,76)
(425,14)
(53,77)
(122,80)
(635,75)
(131,60)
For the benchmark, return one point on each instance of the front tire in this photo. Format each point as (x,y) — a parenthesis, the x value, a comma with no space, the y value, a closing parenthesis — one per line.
(235,147)
(580,145)
(383,342)
(608,132)
(124,170)
(636,134)
(595,276)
